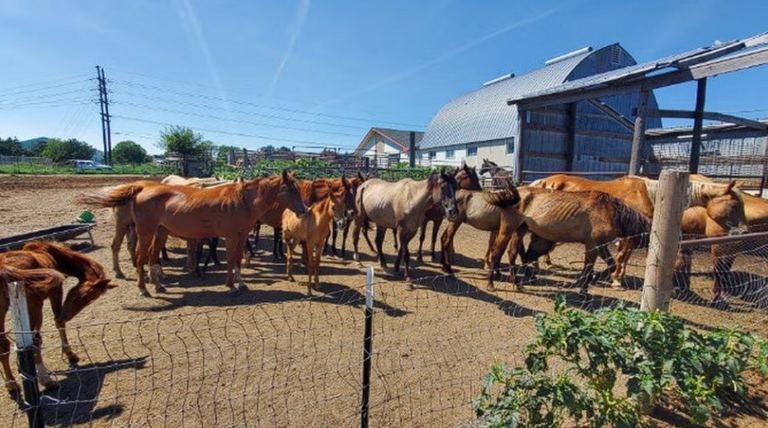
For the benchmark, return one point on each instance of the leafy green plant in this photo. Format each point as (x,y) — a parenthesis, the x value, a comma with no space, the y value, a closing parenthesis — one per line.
(603,368)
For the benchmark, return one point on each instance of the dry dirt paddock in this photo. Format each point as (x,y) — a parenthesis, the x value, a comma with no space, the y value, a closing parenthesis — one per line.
(270,356)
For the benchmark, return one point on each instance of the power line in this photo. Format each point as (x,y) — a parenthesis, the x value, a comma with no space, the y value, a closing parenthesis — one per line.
(248,122)
(259,105)
(244,112)
(211,87)
(47,82)
(237,134)
(61,85)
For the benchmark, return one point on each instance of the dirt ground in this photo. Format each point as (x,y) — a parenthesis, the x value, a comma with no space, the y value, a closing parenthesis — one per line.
(271,356)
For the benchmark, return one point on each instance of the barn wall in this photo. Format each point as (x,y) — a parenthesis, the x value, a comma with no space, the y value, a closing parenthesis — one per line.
(726,155)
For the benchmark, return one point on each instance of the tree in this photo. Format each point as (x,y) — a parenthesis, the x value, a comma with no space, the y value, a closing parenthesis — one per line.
(129,152)
(185,143)
(12,147)
(61,150)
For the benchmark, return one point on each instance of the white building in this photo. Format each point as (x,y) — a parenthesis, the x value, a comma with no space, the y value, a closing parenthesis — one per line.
(386,147)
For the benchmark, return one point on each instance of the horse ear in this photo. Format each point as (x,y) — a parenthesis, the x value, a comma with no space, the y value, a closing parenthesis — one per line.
(360,176)
(346,183)
(730,187)
(103,284)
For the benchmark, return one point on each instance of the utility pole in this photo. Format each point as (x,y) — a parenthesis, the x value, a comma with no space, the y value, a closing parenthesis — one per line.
(106,131)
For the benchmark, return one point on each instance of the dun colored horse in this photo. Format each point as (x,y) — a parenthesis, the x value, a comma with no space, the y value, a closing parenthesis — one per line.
(400,206)
(466,178)
(312,229)
(501,178)
(42,255)
(228,211)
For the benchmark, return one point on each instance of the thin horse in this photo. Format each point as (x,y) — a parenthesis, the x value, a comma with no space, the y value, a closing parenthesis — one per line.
(92,285)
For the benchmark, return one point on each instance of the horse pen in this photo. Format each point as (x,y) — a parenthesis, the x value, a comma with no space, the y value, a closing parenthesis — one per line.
(272,356)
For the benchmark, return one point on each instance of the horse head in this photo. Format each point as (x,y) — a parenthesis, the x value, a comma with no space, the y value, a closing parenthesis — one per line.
(467,178)
(289,194)
(339,207)
(445,192)
(727,209)
(81,296)
(349,197)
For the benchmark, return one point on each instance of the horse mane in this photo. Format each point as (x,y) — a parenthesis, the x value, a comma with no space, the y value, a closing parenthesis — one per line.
(502,198)
(69,261)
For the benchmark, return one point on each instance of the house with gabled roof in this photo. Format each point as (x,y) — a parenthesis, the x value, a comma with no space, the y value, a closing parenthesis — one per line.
(386,147)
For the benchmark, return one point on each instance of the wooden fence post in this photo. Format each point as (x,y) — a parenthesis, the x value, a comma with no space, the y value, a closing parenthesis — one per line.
(25,353)
(664,240)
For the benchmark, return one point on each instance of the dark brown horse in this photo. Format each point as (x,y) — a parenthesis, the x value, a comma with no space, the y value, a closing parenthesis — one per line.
(229,211)
(43,255)
(500,177)
(466,178)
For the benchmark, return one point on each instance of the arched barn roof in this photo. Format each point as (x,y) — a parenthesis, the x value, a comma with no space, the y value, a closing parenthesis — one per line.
(484,115)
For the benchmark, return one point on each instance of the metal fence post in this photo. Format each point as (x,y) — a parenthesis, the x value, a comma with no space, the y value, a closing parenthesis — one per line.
(664,240)
(25,353)
(367,347)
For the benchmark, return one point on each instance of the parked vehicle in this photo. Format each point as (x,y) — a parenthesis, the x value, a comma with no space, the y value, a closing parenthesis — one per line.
(84,165)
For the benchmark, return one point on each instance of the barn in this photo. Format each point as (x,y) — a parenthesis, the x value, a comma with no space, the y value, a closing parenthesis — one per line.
(386,147)
(578,136)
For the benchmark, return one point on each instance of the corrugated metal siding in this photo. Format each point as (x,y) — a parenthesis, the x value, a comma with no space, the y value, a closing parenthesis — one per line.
(733,154)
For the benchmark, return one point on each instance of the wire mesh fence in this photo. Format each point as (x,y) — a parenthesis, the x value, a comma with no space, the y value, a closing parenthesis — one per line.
(279,358)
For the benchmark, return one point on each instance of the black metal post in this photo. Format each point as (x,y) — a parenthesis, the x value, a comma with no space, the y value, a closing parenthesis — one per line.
(698,125)
(367,348)
(412,150)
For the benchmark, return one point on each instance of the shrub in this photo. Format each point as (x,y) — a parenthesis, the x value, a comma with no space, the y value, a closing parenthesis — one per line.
(653,351)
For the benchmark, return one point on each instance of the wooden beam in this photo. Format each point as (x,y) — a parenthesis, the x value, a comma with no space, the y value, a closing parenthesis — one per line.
(618,117)
(638,138)
(570,144)
(520,147)
(708,115)
(695,72)
(698,124)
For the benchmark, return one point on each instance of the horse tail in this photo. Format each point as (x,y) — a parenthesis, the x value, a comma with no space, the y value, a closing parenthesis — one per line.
(119,196)
(35,279)
(630,223)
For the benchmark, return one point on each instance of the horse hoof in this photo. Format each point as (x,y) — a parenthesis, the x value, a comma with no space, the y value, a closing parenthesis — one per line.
(119,275)
(616,283)
(233,290)
(520,288)
(290,279)
(73,360)
(160,288)
(49,384)
(13,387)
(409,285)
(144,293)
(242,287)
(491,288)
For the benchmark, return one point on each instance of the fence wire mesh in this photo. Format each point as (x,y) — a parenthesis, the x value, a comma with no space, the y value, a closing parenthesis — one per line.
(278,358)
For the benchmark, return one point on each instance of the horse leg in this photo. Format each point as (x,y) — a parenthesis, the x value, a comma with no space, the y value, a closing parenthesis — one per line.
(194,253)
(155,272)
(35,306)
(144,242)
(516,247)
(344,234)
(380,231)
(622,260)
(316,264)
(394,237)
(356,242)
(590,256)
(722,260)
(499,245)
(604,253)
(368,240)
(435,228)
(233,256)
(55,296)
(117,242)
(239,249)
(280,252)
(491,240)
(332,237)
(422,234)
(11,385)
(133,241)
(289,245)
(213,246)
(405,237)
(446,242)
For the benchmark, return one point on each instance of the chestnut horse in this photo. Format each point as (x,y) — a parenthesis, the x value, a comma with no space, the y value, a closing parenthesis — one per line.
(312,229)
(400,206)
(92,285)
(228,211)
(466,178)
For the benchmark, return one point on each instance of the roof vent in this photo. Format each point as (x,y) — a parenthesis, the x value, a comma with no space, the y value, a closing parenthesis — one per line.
(568,55)
(499,79)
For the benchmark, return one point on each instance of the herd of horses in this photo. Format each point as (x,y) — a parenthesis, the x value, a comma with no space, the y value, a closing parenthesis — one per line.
(309,213)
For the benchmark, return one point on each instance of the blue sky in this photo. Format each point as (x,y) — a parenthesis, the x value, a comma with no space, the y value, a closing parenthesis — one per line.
(303,72)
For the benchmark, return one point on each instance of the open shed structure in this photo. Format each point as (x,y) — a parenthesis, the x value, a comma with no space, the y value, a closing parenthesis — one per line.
(697,65)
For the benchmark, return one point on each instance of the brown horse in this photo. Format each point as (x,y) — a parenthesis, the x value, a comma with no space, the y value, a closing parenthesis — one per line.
(228,211)
(466,178)
(639,193)
(312,229)
(501,178)
(400,206)
(92,285)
